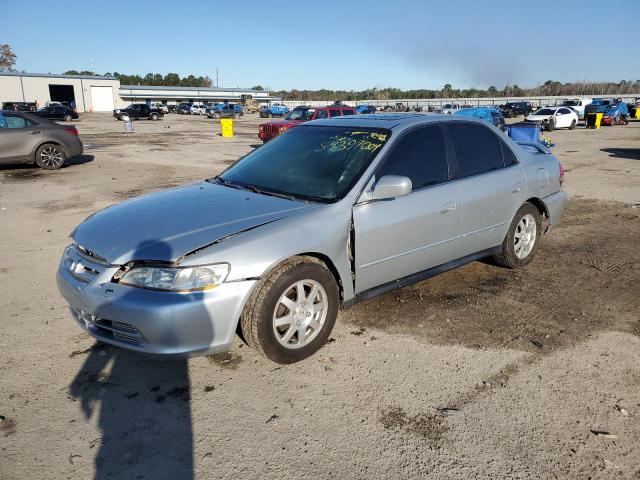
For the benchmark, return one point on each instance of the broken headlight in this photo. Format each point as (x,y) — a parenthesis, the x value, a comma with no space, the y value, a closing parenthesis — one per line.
(177,279)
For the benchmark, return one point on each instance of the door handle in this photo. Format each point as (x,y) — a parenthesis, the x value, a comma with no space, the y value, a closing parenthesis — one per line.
(516,188)
(448,207)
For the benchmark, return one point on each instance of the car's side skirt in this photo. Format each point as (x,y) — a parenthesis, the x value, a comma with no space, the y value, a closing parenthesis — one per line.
(419,276)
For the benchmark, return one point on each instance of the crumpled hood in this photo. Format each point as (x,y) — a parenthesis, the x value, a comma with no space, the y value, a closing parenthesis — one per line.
(166,225)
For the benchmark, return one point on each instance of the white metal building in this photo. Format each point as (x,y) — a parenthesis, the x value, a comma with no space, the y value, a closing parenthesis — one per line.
(103,94)
(88,93)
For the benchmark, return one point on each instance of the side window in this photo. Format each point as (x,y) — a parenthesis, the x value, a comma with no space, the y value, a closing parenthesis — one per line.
(321,114)
(419,155)
(348,112)
(14,121)
(334,113)
(477,149)
(508,155)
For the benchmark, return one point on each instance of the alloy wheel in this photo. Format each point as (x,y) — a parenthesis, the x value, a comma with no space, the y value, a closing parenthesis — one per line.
(52,157)
(525,236)
(300,314)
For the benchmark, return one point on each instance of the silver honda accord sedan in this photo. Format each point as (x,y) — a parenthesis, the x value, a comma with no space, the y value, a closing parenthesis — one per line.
(329,213)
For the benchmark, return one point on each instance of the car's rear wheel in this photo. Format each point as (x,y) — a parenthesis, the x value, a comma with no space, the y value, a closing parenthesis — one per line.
(50,156)
(292,310)
(236,115)
(573,125)
(68,118)
(154,116)
(522,239)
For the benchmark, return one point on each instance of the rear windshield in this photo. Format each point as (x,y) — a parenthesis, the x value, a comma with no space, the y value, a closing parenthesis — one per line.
(317,163)
(545,111)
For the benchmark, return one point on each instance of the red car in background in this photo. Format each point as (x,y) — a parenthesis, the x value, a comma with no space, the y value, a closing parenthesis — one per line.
(298,115)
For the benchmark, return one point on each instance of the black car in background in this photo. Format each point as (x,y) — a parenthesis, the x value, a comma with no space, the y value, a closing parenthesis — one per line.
(185,108)
(138,110)
(19,106)
(57,112)
(513,109)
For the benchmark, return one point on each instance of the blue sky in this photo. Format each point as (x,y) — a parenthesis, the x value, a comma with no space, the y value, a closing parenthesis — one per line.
(330,43)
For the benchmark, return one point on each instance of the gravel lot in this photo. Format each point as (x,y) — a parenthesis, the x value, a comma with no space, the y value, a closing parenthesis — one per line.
(479,373)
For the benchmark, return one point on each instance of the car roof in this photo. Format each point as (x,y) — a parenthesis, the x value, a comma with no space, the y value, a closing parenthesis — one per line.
(390,121)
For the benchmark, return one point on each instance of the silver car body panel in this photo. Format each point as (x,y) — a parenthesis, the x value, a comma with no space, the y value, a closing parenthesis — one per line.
(428,230)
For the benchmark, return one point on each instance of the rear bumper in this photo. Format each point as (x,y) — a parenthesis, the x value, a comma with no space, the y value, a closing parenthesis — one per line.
(164,324)
(555,204)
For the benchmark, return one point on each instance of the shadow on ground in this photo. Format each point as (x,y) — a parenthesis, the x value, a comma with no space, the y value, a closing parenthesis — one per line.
(627,153)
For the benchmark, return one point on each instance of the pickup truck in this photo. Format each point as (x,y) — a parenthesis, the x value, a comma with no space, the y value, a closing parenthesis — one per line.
(220,110)
(578,105)
(136,111)
(513,109)
(270,130)
(275,110)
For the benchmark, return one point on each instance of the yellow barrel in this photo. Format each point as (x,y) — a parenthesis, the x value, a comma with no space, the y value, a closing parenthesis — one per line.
(636,112)
(594,119)
(227,127)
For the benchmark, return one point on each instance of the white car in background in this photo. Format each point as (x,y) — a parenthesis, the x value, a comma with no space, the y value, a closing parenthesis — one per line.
(449,108)
(198,109)
(554,117)
(160,106)
(577,104)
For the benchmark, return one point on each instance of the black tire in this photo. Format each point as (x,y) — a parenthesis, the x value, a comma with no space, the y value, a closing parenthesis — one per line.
(154,116)
(50,156)
(551,125)
(507,257)
(257,321)
(236,115)
(68,118)
(573,125)
(270,115)
(216,115)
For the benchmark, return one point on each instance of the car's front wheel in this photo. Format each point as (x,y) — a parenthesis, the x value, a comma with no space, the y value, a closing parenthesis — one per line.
(522,240)
(154,116)
(50,156)
(68,118)
(292,310)
(573,125)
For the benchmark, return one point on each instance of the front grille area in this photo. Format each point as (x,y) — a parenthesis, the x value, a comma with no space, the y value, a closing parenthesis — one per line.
(270,130)
(119,331)
(102,327)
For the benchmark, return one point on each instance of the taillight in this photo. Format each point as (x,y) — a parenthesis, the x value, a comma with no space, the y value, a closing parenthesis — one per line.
(281,128)
(561,173)
(72,130)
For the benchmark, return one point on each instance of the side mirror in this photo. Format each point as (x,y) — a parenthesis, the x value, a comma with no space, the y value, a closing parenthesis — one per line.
(388,187)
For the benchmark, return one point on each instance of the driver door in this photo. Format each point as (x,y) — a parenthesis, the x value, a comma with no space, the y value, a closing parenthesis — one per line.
(398,237)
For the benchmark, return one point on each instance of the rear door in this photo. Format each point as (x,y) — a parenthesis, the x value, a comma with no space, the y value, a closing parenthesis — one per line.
(19,136)
(491,184)
(402,236)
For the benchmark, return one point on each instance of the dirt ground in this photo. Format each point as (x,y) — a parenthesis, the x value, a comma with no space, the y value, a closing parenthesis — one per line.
(479,373)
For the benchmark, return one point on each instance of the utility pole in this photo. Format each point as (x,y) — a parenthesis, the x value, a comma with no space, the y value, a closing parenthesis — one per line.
(217,81)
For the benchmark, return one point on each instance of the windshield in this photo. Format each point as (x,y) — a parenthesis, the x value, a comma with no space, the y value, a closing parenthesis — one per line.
(545,111)
(301,114)
(569,103)
(447,105)
(309,162)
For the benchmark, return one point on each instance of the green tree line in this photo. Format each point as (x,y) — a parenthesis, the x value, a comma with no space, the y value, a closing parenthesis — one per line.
(153,79)
(548,88)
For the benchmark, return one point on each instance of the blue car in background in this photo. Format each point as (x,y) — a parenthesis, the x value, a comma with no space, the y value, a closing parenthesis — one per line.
(614,112)
(364,109)
(275,110)
(490,114)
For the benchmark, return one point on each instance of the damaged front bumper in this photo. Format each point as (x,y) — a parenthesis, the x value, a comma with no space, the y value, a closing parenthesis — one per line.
(163,323)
